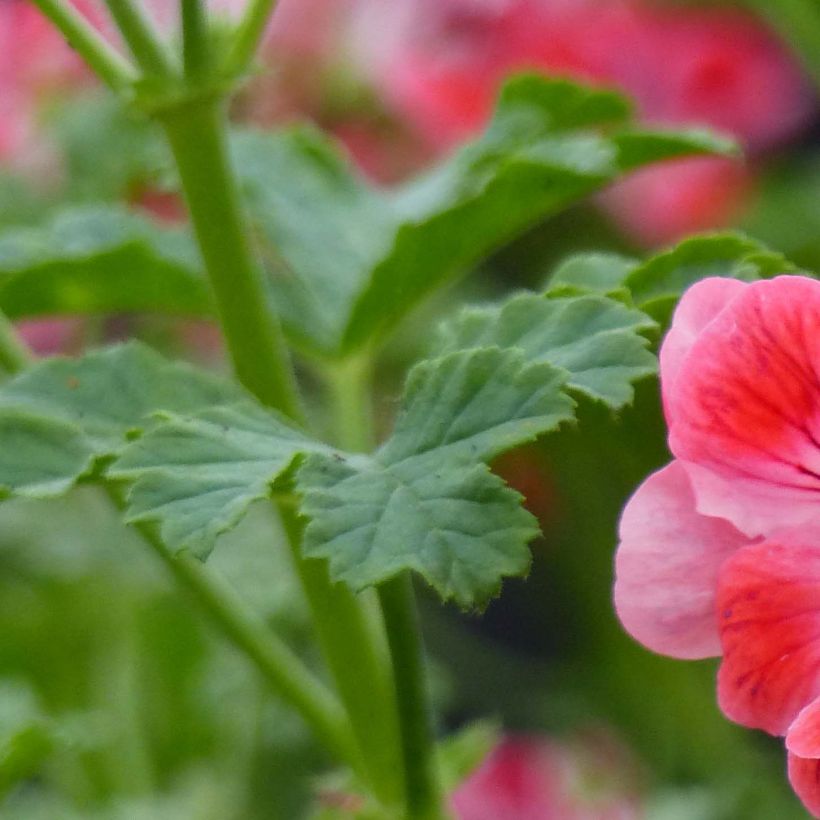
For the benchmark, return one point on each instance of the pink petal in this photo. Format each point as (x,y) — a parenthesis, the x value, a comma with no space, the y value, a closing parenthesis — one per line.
(803,738)
(769,611)
(697,308)
(667,567)
(804,775)
(745,406)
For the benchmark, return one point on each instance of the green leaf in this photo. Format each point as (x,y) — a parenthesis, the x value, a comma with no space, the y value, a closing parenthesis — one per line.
(462,529)
(596,340)
(637,148)
(584,273)
(198,476)
(63,418)
(100,260)
(657,284)
(348,261)
(425,501)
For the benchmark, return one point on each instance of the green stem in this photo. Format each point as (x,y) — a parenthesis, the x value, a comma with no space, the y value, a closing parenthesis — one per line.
(249,35)
(424,799)
(195,38)
(141,37)
(352,641)
(196,133)
(349,387)
(107,63)
(283,670)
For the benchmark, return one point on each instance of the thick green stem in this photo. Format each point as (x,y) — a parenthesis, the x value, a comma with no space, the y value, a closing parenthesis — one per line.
(249,35)
(424,800)
(141,37)
(197,134)
(353,643)
(349,387)
(195,38)
(109,65)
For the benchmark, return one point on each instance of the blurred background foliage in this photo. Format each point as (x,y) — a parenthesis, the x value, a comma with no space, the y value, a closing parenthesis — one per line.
(116,699)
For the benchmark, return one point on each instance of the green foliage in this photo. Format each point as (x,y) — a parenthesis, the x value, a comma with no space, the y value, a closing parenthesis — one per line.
(99,259)
(64,418)
(350,260)
(198,476)
(656,284)
(602,360)
(25,734)
(426,501)
(197,453)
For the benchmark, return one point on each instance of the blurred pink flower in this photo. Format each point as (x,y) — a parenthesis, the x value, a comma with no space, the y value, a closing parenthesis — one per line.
(440,68)
(47,337)
(720,551)
(532,778)
(659,204)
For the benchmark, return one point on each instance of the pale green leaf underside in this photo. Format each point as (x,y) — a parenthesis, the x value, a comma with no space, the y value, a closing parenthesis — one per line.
(198,476)
(95,259)
(596,340)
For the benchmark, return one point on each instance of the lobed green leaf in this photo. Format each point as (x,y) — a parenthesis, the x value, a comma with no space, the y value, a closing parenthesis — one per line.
(198,476)
(598,341)
(426,501)
(656,284)
(64,418)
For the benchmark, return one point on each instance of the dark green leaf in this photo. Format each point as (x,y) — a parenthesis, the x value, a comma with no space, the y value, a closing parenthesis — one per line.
(99,260)
(637,148)
(347,261)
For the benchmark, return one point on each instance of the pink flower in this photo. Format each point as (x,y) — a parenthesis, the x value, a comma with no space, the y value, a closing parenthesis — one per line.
(720,551)
(530,778)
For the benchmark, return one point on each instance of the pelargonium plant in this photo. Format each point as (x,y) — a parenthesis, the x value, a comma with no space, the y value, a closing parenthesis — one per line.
(309,270)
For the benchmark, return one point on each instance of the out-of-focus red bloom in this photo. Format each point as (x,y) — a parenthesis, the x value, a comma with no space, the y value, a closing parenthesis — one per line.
(720,550)
(530,778)
(716,67)
(658,204)
(46,337)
